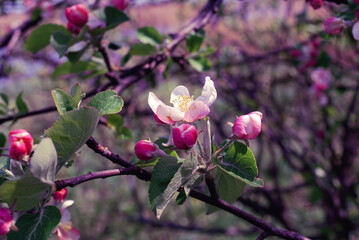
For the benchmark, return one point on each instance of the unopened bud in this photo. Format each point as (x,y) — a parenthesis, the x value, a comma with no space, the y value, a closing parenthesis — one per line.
(248,126)
(184,136)
(356,2)
(120,4)
(20,144)
(61,195)
(5,221)
(316,4)
(334,25)
(73,28)
(146,150)
(77,15)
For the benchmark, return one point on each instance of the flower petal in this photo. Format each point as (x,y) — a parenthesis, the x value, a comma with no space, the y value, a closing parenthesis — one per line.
(355,31)
(178,92)
(197,110)
(154,102)
(169,114)
(209,93)
(71,234)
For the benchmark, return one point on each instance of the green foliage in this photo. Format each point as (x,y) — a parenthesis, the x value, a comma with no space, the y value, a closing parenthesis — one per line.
(162,174)
(63,101)
(21,105)
(26,190)
(107,102)
(43,161)
(71,131)
(124,133)
(181,198)
(4,98)
(200,63)
(40,37)
(194,40)
(75,67)
(2,141)
(59,41)
(324,59)
(4,167)
(141,49)
(228,187)
(113,17)
(36,226)
(76,56)
(77,94)
(240,163)
(4,106)
(29,189)
(159,200)
(149,35)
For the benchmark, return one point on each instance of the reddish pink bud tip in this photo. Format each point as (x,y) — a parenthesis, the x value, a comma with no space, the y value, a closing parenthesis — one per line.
(334,25)
(356,2)
(5,221)
(248,126)
(60,195)
(157,119)
(77,15)
(146,150)
(316,4)
(73,28)
(20,144)
(184,136)
(120,4)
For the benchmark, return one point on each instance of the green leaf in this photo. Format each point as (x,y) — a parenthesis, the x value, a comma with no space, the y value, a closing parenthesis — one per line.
(107,102)
(21,105)
(114,17)
(36,226)
(40,36)
(2,141)
(124,133)
(77,67)
(125,59)
(179,178)
(181,198)
(228,187)
(115,121)
(26,190)
(43,161)
(4,166)
(60,42)
(77,94)
(162,174)
(240,163)
(324,59)
(75,56)
(194,40)
(4,98)
(72,131)
(200,63)
(140,49)
(149,35)
(63,101)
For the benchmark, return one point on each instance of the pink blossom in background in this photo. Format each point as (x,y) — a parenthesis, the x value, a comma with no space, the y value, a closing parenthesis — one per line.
(120,4)
(248,126)
(334,25)
(5,221)
(355,31)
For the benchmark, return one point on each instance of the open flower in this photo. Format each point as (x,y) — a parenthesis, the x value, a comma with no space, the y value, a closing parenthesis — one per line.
(184,107)
(64,229)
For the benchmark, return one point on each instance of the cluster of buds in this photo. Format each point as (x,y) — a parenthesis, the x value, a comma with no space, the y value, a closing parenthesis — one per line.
(77,17)
(20,144)
(307,55)
(120,4)
(5,221)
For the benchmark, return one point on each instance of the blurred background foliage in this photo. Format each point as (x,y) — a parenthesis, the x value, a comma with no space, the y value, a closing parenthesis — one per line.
(307,151)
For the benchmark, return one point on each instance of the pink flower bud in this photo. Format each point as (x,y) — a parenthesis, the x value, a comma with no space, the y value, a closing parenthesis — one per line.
(184,136)
(295,53)
(356,2)
(334,25)
(5,221)
(60,196)
(120,4)
(73,28)
(20,144)
(357,13)
(248,126)
(146,150)
(321,78)
(316,4)
(77,15)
